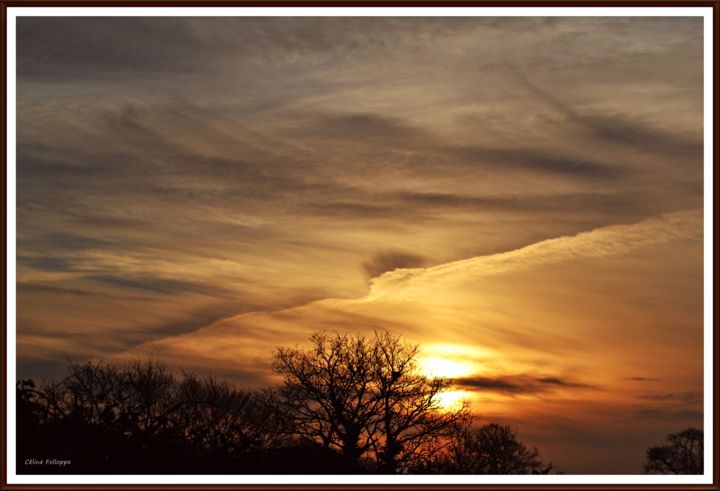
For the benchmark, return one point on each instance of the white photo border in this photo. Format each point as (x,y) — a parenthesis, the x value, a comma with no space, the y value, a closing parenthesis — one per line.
(372,11)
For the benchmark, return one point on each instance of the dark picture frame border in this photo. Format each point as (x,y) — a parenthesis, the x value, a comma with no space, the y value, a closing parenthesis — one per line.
(714,4)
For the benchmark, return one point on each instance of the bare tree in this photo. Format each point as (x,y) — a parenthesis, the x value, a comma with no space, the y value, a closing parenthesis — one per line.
(683,455)
(491,449)
(213,414)
(327,392)
(363,397)
(144,415)
(145,398)
(411,416)
(137,397)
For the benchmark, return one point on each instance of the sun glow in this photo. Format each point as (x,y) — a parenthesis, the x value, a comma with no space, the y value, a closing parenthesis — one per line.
(450,360)
(443,367)
(453,400)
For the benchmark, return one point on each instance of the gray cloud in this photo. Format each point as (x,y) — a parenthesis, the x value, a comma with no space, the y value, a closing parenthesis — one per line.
(102,47)
(538,161)
(669,415)
(591,201)
(427,206)
(683,397)
(358,210)
(60,289)
(48,263)
(520,384)
(159,285)
(366,127)
(622,130)
(389,260)
(32,287)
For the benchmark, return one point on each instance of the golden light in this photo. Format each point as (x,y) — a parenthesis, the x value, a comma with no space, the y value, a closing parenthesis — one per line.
(450,360)
(452,400)
(443,367)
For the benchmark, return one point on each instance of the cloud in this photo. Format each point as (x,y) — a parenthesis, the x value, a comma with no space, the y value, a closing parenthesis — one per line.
(78,48)
(389,260)
(520,384)
(622,129)
(539,162)
(682,397)
(32,287)
(358,210)
(260,331)
(599,243)
(48,263)
(364,127)
(666,415)
(159,285)
(571,203)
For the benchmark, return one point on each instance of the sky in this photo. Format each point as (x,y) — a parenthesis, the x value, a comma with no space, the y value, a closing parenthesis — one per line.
(522,197)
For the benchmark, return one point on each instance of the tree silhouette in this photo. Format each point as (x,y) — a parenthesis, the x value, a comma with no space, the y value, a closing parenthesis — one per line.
(490,449)
(141,417)
(214,415)
(683,455)
(327,392)
(364,397)
(348,404)
(411,419)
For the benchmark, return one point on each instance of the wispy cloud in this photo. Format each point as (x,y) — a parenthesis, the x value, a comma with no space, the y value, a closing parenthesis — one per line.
(390,260)
(681,397)
(607,242)
(686,416)
(521,384)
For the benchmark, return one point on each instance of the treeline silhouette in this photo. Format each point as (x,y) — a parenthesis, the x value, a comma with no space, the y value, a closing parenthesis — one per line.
(349,404)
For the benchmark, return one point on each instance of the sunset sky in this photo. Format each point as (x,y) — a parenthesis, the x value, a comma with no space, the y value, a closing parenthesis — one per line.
(522,197)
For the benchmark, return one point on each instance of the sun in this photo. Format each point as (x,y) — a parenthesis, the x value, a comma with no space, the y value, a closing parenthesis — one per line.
(453,400)
(442,367)
(449,360)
